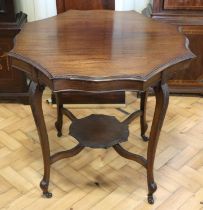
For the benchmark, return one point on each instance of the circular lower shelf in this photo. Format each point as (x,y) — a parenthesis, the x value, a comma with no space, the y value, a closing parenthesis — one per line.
(99,131)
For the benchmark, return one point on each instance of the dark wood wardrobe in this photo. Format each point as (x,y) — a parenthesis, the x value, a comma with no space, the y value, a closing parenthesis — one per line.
(188,16)
(13,84)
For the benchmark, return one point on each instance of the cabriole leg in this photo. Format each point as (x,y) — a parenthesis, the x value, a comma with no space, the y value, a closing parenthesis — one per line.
(59,122)
(143,108)
(162,99)
(36,92)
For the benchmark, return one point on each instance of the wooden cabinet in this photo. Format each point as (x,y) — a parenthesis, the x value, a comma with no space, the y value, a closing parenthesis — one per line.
(183,4)
(13,84)
(188,16)
(7,13)
(63,5)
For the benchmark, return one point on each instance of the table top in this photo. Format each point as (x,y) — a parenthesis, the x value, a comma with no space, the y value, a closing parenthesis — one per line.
(99,45)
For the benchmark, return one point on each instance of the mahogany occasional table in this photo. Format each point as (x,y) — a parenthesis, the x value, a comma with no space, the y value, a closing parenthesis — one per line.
(100,51)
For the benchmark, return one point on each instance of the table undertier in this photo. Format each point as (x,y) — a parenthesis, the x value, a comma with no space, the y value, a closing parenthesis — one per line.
(99,131)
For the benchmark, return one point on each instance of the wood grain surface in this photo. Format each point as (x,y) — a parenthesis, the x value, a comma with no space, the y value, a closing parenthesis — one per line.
(99,45)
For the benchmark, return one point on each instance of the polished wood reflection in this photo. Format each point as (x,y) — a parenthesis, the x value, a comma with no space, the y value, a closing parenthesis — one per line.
(104,44)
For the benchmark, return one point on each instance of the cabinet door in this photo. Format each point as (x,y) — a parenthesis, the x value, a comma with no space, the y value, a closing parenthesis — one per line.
(7,13)
(2,6)
(63,5)
(5,71)
(11,81)
(183,4)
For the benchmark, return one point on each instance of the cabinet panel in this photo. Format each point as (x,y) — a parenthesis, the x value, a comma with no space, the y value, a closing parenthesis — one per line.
(183,4)
(194,72)
(90,4)
(13,84)
(5,71)
(63,5)
(7,11)
(2,6)
(188,16)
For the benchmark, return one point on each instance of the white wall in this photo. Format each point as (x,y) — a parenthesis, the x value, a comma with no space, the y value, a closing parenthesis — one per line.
(36,9)
(40,9)
(125,5)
